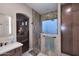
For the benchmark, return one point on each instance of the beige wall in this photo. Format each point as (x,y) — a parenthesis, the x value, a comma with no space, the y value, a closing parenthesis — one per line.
(12,9)
(58,40)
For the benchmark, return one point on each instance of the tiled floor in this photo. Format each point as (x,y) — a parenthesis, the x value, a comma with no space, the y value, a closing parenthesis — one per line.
(40,54)
(26,54)
(29,54)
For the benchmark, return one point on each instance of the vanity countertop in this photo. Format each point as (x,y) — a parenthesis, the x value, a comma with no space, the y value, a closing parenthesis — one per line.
(10,47)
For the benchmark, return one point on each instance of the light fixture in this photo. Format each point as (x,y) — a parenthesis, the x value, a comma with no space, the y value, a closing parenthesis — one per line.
(9,25)
(68,10)
(63,28)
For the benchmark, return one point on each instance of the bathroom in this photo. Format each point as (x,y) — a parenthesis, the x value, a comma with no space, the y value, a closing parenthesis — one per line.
(10,35)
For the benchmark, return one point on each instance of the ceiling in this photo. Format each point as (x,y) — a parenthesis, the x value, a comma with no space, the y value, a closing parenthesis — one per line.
(43,8)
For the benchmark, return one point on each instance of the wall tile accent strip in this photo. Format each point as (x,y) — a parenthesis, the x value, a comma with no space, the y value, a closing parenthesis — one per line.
(49,15)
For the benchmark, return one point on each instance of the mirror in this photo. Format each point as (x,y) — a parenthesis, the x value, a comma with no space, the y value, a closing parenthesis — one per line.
(5,25)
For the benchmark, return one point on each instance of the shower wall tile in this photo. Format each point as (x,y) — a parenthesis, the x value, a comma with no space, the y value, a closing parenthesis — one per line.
(36,29)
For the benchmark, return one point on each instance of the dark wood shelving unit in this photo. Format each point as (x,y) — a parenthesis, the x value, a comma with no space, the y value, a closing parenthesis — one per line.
(23,30)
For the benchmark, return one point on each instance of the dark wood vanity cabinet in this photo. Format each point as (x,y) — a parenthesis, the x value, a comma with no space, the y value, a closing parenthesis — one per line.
(70,35)
(14,52)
